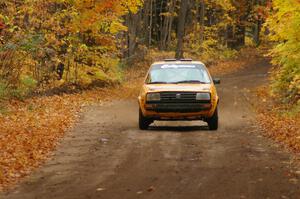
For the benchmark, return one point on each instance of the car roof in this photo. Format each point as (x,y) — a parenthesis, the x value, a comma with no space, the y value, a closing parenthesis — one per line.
(178,62)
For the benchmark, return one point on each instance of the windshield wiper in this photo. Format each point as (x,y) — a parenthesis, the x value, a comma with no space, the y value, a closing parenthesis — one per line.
(190,81)
(157,83)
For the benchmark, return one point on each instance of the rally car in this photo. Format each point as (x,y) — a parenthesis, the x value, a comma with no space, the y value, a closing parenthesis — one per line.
(178,90)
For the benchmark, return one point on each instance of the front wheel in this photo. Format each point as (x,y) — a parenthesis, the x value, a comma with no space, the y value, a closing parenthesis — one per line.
(143,121)
(213,122)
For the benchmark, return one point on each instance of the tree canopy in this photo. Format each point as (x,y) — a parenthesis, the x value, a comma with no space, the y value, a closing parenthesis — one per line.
(51,43)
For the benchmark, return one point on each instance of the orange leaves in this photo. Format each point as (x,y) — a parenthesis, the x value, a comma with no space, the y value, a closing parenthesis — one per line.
(31,129)
(2,25)
(104,41)
(107,4)
(282,128)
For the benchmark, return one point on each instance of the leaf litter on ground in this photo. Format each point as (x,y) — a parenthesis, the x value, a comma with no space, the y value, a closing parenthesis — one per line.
(31,129)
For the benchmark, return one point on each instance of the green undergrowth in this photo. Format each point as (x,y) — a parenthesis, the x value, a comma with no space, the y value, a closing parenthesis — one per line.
(20,90)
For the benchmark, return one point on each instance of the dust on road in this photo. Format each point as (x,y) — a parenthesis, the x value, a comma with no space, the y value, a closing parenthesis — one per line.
(106,156)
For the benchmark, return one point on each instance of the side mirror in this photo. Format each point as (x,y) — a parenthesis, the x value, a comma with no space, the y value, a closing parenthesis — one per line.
(217,81)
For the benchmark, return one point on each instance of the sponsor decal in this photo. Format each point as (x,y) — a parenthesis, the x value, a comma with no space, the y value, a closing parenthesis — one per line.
(177,66)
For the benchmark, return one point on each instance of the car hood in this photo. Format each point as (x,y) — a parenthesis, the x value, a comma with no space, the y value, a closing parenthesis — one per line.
(178,87)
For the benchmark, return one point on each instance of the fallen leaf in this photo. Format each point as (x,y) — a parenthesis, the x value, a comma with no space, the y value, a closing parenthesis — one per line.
(100,189)
(293,180)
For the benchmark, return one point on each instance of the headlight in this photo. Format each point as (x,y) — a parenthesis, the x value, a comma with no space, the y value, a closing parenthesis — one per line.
(203,96)
(153,97)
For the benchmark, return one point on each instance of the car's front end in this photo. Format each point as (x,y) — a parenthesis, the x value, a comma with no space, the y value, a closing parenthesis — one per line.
(179,100)
(184,102)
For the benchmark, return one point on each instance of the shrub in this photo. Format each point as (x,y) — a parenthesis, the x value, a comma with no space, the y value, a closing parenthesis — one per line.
(284,26)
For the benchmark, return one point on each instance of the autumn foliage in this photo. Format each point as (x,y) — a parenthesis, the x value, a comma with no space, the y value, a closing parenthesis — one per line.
(47,44)
(71,46)
(284,24)
(44,45)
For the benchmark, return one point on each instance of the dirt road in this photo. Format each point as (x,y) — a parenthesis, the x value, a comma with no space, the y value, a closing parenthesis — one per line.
(106,156)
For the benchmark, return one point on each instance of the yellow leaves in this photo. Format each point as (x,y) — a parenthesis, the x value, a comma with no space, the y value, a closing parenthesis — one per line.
(284,27)
(117,27)
(95,13)
(51,39)
(227,5)
(285,19)
(132,5)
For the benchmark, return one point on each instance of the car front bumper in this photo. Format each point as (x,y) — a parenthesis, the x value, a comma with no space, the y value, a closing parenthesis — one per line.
(178,107)
(181,111)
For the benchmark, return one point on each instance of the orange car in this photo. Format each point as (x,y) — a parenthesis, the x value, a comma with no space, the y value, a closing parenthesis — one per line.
(178,90)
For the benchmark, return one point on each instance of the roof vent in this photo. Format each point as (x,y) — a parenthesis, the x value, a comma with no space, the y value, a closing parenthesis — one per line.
(170,60)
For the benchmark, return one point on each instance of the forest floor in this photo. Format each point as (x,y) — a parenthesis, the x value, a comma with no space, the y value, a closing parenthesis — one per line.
(104,155)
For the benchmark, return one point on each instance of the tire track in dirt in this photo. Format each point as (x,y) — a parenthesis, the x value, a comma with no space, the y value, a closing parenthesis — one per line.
(106,156)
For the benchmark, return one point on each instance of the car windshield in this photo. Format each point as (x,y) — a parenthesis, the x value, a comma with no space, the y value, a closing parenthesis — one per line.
(178,73)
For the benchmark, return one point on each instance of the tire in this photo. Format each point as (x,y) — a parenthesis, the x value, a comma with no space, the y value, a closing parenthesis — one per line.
(213,122)
(143,121)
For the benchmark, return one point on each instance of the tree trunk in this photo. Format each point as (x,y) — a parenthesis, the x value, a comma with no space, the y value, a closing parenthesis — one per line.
(133,29)
(162,23)
(181,28)
(146,20)
(202,16)
(240,35)
(169,38)
(150,24)
(257,26)
(257,30)
(168,20)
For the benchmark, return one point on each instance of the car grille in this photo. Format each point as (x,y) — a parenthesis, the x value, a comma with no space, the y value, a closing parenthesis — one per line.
(178,97)
(182,102)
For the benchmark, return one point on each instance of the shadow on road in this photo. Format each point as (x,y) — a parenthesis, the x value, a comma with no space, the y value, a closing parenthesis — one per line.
(178,128)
